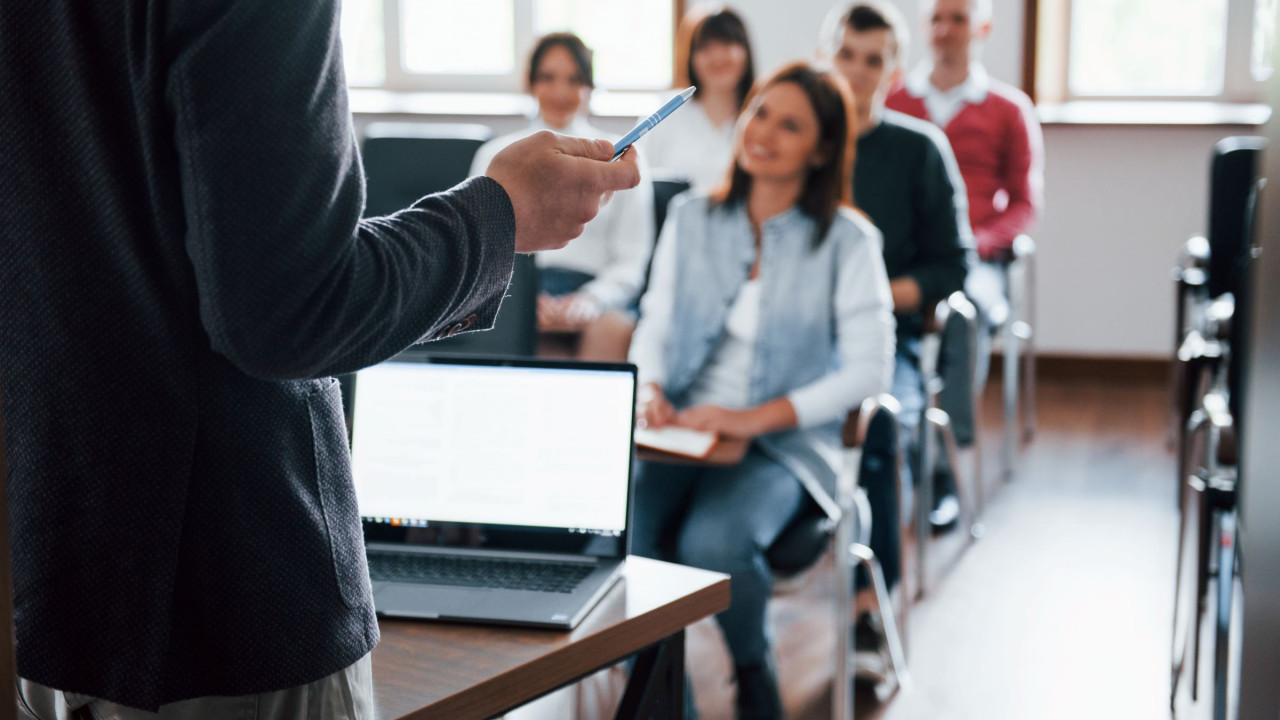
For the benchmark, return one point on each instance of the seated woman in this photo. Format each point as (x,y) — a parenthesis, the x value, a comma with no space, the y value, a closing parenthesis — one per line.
(768,317)
(697,142)
(604,268)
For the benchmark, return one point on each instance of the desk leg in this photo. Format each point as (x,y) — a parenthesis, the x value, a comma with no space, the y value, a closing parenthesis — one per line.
(656,688)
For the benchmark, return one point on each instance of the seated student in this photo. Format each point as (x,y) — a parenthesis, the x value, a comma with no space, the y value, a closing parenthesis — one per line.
(697,141)
(993,130)
(768,317)
(907,182)
(604,268)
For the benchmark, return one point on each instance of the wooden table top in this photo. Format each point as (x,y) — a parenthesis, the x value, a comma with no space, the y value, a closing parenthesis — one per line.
(424,669)
(726,451)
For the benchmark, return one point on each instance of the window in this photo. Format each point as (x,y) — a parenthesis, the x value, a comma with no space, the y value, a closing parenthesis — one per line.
(483,45)
(1212,50)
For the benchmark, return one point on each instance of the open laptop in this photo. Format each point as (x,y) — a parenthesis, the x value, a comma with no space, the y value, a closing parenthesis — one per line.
(492,489)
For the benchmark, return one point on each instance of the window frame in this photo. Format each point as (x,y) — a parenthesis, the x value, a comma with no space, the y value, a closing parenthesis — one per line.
(397,79)
(1047,46)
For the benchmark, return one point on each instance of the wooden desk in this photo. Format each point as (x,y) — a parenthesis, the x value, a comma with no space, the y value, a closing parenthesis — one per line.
(727,452)
(445,670)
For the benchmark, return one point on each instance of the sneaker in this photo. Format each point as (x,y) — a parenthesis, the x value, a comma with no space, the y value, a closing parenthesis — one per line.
(758,697)
(945,514)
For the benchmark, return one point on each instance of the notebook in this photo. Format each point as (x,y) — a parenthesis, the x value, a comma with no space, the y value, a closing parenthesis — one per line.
(493,490)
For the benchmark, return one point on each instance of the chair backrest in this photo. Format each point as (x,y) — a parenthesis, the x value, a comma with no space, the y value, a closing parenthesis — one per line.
(665,187)
(957,319)
(405,161)
(1232,175)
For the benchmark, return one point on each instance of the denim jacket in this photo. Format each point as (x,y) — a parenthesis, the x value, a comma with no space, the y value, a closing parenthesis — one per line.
(825,338)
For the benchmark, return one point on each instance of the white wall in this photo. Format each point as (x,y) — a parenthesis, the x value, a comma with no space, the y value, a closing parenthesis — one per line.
(1120,200)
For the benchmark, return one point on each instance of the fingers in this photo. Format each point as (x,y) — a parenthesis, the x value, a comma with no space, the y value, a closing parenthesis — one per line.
(586,148)
(621,175)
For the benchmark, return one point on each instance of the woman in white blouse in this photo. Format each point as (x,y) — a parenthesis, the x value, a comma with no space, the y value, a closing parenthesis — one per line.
(696,143)
(603,269)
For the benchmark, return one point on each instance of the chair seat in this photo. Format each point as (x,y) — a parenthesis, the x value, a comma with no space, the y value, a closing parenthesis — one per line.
(801,543)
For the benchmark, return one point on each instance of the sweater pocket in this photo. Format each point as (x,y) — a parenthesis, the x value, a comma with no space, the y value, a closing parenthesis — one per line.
(337,493)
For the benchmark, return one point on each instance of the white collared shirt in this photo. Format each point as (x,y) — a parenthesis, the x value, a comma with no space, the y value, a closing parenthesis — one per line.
(944,105)
(615,246)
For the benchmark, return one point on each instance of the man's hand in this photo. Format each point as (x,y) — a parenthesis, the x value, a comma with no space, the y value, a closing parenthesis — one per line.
(557,184)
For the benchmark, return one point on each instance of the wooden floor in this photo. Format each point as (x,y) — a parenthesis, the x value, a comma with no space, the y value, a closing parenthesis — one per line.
(1062,610)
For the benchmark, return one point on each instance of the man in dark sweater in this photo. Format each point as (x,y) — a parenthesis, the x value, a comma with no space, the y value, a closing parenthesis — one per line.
(906,179)
(183,267)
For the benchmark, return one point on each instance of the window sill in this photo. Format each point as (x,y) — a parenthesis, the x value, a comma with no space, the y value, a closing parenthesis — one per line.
(1129,112)
(367,101)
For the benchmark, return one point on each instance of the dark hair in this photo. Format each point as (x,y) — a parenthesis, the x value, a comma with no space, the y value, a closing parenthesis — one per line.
(828,186)
(873,15)
(578,50)
(701,26)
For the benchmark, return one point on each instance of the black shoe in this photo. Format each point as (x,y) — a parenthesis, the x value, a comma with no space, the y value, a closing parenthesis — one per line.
(945,514)
(758,697)
(868,654)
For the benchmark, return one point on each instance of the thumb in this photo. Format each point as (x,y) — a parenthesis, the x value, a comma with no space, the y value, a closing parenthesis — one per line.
(585,148)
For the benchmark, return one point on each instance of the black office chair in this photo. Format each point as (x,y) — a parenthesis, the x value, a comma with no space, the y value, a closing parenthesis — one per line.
(1213,344)
(405,161)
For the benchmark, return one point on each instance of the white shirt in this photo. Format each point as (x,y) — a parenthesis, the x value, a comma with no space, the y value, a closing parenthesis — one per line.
(726,378)
(615,246)
(687,143)
(943,106)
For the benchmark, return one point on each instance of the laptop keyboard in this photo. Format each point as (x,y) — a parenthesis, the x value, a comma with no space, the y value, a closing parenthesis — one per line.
(478,572)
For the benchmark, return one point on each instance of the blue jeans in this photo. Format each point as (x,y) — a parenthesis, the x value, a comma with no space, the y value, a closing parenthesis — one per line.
(721,519)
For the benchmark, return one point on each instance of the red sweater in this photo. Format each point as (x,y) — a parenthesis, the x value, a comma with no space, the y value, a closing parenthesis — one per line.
(1000,150)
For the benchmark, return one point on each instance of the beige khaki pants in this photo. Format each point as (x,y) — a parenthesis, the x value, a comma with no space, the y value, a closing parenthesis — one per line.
(344,695)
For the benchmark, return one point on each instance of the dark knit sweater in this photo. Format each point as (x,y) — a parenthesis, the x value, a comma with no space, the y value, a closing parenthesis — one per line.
(182,265)
(907,182)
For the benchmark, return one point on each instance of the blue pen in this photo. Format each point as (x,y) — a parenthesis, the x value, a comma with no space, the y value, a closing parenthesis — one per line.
(650,122)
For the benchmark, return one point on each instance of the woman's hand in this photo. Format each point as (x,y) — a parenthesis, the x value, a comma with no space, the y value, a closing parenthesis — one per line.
(653,410)
(719,420)
(566,313)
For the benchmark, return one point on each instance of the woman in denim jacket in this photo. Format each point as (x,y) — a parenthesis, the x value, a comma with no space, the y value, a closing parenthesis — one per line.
(768,317)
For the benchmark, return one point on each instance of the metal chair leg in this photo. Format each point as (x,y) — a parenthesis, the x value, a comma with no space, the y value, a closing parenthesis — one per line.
(1190,489)
(884,608)
(942,425)
(1010,388)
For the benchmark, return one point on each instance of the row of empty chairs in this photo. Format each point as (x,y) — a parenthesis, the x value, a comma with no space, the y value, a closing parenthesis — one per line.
(1213,303)
(404,161)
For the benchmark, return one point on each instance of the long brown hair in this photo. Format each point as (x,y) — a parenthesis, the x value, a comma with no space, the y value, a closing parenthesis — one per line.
(701,26)
(828,186)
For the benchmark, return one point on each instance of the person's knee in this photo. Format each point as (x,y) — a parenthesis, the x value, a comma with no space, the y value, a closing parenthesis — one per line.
(727,552)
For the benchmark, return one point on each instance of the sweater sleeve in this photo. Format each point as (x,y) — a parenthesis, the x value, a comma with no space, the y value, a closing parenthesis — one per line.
(1023,180)
(864,338)
(291,282)
(944,240)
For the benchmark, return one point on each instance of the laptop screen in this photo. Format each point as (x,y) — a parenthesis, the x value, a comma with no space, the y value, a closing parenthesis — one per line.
(478,453)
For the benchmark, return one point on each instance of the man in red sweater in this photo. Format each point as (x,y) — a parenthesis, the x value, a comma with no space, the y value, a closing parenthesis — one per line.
(992,129)
(998,145)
